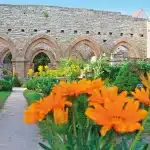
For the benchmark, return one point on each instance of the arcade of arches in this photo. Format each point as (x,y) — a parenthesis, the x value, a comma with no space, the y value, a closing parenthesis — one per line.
(21,59)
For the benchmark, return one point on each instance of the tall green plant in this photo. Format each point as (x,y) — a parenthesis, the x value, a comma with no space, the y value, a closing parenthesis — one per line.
(128,77)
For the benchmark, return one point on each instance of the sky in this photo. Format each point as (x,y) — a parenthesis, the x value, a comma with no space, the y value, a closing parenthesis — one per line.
(124,6)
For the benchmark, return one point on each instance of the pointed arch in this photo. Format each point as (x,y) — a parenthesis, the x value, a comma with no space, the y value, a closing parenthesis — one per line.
(39,39)
(50,55)
(130,46)
(96,49)
(10,46)
(4,53)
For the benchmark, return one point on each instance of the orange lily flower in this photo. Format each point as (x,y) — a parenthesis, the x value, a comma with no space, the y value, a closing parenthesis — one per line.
(34,113)
(60,116)
(145,81)
(98,97)
(54,102)
(142,95)
(95,99)
(117,115)
(77,88)
(112,93)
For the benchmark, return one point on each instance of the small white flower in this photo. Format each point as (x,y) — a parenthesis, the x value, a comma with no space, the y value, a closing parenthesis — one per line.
(93,59)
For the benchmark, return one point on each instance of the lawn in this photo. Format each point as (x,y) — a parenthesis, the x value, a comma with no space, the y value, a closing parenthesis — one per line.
(3,97)
(31,96)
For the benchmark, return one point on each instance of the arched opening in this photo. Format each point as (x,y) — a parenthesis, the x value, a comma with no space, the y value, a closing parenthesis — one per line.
(40,59)
(7,54)
(82,51)
(125,48)
(121,51)
(119,54)
(83,48)
(38,44)
(7,64)
(6,50)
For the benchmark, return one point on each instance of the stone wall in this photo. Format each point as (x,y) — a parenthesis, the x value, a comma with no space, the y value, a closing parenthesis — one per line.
(61,32)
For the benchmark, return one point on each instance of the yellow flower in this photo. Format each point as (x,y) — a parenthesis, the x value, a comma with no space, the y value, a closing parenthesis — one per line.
(36,74)
(40,68)
(46,67)
(30,72)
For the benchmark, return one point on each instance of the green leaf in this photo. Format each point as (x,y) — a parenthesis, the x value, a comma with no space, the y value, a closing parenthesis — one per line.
(124,144)
(44,147)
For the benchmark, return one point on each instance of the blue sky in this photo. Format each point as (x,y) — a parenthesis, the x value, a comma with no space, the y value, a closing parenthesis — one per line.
(124,6)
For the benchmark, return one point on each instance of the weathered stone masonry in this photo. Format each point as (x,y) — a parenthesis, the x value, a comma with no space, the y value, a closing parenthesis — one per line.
(60,32)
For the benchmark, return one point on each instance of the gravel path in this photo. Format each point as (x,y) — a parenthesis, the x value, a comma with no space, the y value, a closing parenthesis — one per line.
(14,133)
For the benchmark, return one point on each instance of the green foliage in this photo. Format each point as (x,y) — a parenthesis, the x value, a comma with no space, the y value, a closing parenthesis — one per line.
(15,81)
(46,15)
(40,59)
(71,67)
(143,66)
(5,85)
(87,133)
(100,67)
(3,97)
(112,73)
(8,78)
(31,96)
(128,77)
(97,69)
(41,84)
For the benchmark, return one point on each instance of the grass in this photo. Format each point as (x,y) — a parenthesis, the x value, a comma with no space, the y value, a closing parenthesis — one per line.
(3,97)
(32,97)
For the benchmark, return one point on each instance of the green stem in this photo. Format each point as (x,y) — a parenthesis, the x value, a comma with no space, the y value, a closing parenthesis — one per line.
(134,143)
(112,146)
(113,142)
(74,121)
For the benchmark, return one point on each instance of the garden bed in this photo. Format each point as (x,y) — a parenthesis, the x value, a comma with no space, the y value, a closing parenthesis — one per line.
(3,98)
(32,97)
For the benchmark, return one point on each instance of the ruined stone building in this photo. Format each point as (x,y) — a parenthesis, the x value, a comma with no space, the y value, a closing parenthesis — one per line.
(27,30)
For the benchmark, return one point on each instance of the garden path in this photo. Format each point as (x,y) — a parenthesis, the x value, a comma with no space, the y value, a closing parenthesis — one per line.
(14,133)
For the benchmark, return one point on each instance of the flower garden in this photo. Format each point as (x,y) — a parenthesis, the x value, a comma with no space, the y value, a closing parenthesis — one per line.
(91,105)
(87,105)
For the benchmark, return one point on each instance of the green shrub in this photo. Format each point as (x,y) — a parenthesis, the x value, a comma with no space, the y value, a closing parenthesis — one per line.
(8,78)
(41,84)
(112,74)
(5,85)
(15,81)
(143,66)
(128,77)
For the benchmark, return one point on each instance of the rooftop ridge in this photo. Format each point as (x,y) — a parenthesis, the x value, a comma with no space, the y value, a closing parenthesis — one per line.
(52,6)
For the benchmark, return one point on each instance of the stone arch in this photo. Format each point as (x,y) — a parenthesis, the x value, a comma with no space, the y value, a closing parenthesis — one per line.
(96,49)
(132,51)
(55,48)
(4,53)
(50,55)
(10,47)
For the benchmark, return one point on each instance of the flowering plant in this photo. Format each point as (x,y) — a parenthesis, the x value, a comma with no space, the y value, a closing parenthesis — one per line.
(68,68)
(87,115)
